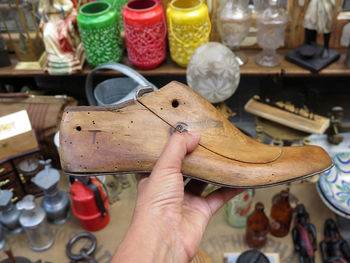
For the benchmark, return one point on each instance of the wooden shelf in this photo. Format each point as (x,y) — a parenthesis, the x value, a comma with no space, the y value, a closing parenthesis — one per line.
(170,68)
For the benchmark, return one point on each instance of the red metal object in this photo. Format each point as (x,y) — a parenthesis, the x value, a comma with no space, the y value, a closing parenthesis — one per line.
(85,206)
(145,32)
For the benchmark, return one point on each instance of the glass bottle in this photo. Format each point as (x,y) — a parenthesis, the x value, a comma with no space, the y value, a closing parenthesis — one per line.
(271,25)
(260,5)
(239,208)
(257,227)
(281,215)
(234,19)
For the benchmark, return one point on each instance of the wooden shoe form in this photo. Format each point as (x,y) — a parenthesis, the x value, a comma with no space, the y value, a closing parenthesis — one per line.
(129,137)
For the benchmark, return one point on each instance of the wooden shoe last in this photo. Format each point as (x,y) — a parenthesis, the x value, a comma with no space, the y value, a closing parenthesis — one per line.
(129,137)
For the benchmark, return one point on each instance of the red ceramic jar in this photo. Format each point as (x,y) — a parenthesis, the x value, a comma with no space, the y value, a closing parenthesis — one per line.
(145,32)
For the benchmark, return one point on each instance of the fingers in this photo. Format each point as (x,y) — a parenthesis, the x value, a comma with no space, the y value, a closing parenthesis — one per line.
(195,187)
(220,196)
(174,152)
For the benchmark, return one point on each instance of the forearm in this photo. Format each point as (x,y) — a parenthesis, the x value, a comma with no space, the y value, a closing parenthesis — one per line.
(138,249)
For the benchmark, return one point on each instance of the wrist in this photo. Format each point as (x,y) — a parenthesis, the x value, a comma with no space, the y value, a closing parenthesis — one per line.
(148,241)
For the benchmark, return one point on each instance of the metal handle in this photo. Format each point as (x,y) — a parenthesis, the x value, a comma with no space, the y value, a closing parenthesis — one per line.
(88,258)
(129,72)
(85,254)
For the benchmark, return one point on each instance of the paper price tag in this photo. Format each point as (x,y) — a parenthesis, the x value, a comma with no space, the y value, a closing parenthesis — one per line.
(14,124)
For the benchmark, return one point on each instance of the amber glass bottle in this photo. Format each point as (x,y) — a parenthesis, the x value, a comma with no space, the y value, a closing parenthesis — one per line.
(257,227)
(281,215)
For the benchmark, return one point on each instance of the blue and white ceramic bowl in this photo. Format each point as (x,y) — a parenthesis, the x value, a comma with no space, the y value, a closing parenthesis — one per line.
(334,185)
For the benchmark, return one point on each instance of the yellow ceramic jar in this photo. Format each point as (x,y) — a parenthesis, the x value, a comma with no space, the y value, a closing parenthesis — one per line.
(188,27)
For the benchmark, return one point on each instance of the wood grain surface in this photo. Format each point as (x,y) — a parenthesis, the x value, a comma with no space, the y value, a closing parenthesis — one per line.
(130,137)
(289,119)
(18,145)
(276,130)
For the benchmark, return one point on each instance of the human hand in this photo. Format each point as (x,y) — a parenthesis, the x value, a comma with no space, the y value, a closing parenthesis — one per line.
(169,220)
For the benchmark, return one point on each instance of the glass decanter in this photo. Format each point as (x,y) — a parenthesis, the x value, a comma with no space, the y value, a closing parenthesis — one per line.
(271,25)
(260,5)
(234,19)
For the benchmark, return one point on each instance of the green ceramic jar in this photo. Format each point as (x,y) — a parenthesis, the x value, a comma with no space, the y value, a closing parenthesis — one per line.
(118,5)
(97,22)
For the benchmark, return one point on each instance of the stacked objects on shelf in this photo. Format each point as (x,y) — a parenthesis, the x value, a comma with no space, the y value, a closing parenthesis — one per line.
(28,216)
(98,28)
(19,163)
(145,31)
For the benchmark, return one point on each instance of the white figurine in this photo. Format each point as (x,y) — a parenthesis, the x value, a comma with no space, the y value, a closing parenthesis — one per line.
(318,19)
(60,35)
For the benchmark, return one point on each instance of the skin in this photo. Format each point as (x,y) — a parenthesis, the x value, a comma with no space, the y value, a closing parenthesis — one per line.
(169,219)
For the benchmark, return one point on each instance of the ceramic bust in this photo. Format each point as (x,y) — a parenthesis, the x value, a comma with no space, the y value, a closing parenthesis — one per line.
(60,35)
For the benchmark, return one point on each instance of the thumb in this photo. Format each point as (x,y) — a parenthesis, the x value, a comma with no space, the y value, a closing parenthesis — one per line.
(174,152)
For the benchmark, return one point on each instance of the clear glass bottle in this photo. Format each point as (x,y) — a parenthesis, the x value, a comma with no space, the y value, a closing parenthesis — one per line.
(271,25)
(281,215)
(239,208)
(260,5)
(257,227)
(234,19)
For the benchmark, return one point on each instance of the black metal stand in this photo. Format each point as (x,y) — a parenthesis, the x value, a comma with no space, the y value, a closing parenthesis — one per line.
(315,62)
